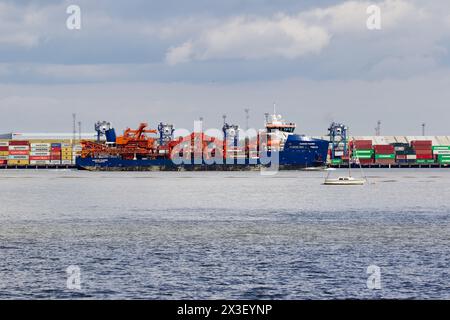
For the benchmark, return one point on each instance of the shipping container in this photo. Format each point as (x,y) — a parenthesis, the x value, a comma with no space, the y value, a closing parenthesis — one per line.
(40,150)
(336,161)
(424,156)
(385,161)
(19,143)
(385,156)
(365,161)
(4,148)
(39,158)
(3,162)
(18,157)
(40,145)
(39,162)
(361,144)
(39,153)
(55,162)
(18,162)
(66,161)
(437,152)
(411,157)
(425,161)
(18,152)
(4,143)
(422,143)
(18,147)
(4,153)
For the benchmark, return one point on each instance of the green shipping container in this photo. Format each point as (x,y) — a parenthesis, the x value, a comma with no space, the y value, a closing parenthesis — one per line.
(363,151)
(336,161)
(441,148)
(385,156)
(444,161)
(425,161)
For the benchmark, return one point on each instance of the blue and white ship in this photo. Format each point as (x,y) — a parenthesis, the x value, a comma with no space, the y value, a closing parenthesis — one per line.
(276,143)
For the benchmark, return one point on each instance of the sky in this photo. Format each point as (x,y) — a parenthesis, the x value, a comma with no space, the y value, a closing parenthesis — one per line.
(176,60)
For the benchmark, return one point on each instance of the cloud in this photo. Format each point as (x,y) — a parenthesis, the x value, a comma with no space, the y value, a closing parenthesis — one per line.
(247,37)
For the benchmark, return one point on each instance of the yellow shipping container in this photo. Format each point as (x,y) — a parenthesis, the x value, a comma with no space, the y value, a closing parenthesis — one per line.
(18,162)
(4,153)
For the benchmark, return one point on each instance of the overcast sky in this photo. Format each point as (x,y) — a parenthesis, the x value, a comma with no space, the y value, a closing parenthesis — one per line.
(177,60)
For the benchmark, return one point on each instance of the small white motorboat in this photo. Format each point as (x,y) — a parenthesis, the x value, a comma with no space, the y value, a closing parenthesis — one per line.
(344,181)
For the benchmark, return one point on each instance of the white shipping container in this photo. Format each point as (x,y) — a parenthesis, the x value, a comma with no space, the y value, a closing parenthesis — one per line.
(339,153)
(66,161)
(55,161)
(4,144)
(18,157)
(3,157)
(40,150)
(411,157)
(39,162)
(19,148)
(441,151)
(40,145)
(40,153)
(66,145)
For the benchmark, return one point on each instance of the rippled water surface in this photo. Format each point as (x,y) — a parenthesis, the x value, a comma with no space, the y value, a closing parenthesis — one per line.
(234,235)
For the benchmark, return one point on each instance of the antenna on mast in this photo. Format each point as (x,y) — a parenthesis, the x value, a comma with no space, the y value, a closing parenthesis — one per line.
(247,116)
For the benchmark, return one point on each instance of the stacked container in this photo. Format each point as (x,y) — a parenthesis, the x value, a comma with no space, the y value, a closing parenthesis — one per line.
(76,152)
(66,153)
(384,154)
(442,154)
(40,153)
(4,152)
(19,153)
(423,150)
(404,153)
(363,151)
(55,153)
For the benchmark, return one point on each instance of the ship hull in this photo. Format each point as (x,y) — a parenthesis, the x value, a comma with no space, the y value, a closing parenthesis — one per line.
(299,153)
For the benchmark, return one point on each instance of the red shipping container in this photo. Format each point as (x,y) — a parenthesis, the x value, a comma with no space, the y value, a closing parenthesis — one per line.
(422,143)
(38,158)
(424,156)
(427,151)
(384,149)
(3,162)
(361,144)
(366,161)
(19,143)
(385,161)
(401,157)
(4,148)
(19,152)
